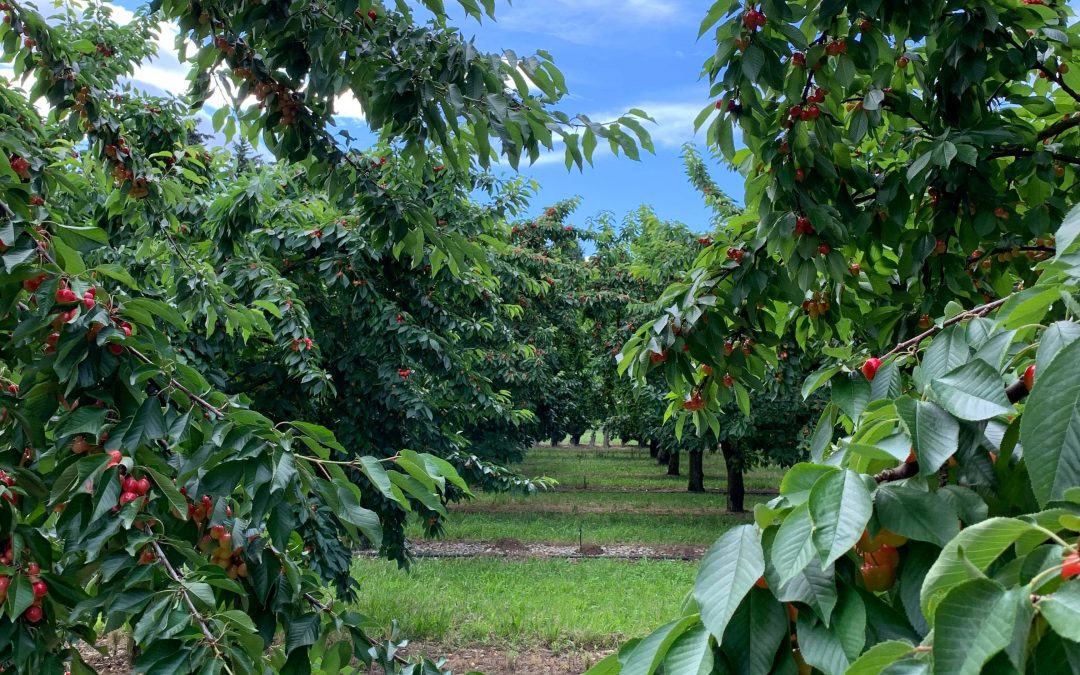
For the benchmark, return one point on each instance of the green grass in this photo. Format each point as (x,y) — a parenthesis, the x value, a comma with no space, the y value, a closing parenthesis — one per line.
(619,468)
(582,501)
(560,604)
(596,528)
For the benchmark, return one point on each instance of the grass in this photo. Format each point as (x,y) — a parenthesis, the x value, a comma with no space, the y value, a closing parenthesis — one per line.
(630,468)
(560,604)
(595,528)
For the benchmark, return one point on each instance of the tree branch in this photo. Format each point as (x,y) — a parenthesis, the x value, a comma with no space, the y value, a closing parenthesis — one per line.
(982,310)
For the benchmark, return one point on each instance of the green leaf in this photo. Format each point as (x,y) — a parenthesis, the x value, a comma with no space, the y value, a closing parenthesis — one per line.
(934,433)
(176,500)
(284,472)
(1069,231)
(1050,427)
(20,595)
(1059,335)
(1062,610)
(690,654)
(793,547)
(916,514)
(948,351)
(728,571)
(818,379)
(972,392)
(969,553)
(813,587)
(755,631)
(840,507)
(820,647)
(609,665)
(302,631)
(973,622)
(352,512)
(83,420)
(876,659)
(647,655)
(156,308)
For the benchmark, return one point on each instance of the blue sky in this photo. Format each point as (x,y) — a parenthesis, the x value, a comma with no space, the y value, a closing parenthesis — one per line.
(616,55)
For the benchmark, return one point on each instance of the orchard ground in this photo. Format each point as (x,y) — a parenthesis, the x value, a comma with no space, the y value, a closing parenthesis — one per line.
(553,582)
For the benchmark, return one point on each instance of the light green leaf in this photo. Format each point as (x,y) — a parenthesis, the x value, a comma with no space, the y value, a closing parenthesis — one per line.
(972,392)
(973,622)
(934,433)
(840,507)
(647,655)
(876,659)
(1062,610)
(728,571)
(1050,427)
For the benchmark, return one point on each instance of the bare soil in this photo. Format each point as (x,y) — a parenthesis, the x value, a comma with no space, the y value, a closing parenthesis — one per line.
(506,661)
(513,548)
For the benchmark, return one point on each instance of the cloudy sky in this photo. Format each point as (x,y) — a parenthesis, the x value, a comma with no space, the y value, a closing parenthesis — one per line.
(616,55)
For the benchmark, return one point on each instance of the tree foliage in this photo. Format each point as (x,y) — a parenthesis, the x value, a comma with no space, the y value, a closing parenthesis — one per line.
(215,371)
(910,170)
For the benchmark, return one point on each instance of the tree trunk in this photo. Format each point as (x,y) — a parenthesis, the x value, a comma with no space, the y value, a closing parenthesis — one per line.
(554,442)
(673,464)
(654,449)
(662,456)
(735,488)
(575,440)
(607,439)
(697,472)
(592,438)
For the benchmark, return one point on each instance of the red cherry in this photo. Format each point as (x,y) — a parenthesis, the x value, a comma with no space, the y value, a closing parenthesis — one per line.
(372,15)
(1071,567)
(143,485)
(878,578)
(1029,377)
(824,249)
(66,296)
(33,569)
(728,381)
(870,368)
(33,614)
(128,497)
(40,589)
(115,456)
(800,175)
(13,389)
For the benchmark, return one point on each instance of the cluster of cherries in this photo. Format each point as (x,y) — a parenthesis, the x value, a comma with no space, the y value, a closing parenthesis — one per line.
(736,254)
(818,304)
(302,343)
(224,555)
(33,613)
(132,488)
(695,402)
(9,480)
(753,19)
(731,346)
(880,558)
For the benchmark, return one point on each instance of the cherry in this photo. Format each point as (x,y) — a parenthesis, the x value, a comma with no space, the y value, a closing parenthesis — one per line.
(372,15)
(5,581)
(870,368)
(728,381)
(885,555)
(824,249)
(143,486)
(128,497)
(114,458)
(40,589)
(868,544)
(1029,377)
(1071,566)
(854,268)
(878,578)
(33,614)
(761,582)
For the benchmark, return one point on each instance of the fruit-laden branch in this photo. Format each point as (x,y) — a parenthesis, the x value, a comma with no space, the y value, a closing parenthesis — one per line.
(179,580)
(1015,392)
(192,395)
(981,310)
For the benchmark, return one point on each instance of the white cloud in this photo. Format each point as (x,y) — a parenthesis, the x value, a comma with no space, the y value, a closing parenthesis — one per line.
(591,21)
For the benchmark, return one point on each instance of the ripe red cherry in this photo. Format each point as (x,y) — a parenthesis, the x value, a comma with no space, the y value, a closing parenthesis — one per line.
(800,175)
(33,614)
(728,381)
(878,578)
(33,569)
(1071,566)
(824,249)
(1029,377)
(66,296)
(114,458)
(870,368)
(128,497)
(372,15)
(143,485)
(40,589)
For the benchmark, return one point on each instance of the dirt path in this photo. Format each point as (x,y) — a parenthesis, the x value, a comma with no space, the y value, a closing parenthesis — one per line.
(552,507)
(508,661)
(513,548)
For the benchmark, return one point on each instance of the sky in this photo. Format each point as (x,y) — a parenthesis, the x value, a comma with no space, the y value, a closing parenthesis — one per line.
(615,55)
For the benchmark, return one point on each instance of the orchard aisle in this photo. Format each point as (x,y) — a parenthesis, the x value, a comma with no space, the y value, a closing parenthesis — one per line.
(550,584)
